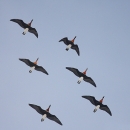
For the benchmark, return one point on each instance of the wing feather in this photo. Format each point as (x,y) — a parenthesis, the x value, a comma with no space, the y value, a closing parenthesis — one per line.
(53,118)
(89,80)
(91,99)
(65,40)
(27,62)
(76,48)
(106,108)
(74,70)
(20,22)
(40,68)
(34,31)
(38,109)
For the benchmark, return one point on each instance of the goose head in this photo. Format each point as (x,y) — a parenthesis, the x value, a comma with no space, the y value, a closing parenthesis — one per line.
(30,23)
(36,61)
(85,71)
(102,99)
(73,39)
(48,108)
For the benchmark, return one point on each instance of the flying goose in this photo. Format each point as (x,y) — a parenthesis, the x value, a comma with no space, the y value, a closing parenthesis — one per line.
(98,104)
(82,76)
(34,65)
(45,113)
(27,27)
(70,44)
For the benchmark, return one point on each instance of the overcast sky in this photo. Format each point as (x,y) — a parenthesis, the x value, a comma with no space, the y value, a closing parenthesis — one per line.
(103,36)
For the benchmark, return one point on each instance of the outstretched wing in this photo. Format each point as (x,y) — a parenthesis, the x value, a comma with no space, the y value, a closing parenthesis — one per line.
(74,70)
(89,80)
(65,40)
(53,118)
(91,99)
(34,31)
(76,48)
(27,62)
(20,22)
(38,109)
(40,68)
(106,108)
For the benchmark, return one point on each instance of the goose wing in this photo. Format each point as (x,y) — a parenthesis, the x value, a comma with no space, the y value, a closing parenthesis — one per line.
(40,68)
(89,80)
(34,31)
(27,62)
(20,22)
(38,109)
(91,99)
(65,40)
(75,71)
(106,108)
(76,48)
(53,118)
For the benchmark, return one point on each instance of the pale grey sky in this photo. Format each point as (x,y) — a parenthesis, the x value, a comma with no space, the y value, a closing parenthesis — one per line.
(103,36)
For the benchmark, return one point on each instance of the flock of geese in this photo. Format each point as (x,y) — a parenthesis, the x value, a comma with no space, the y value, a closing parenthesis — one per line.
(81,75)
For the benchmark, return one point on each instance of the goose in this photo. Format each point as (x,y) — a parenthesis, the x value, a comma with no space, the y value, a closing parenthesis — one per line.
(33,65)
(70,44)
(98,104)
(82,76)
(27,27)
(45,113)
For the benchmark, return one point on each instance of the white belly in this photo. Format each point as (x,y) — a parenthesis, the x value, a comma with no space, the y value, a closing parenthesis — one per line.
(44,116)
(69,46)
(31,69)
(80,79)
(25,30)
(97,107)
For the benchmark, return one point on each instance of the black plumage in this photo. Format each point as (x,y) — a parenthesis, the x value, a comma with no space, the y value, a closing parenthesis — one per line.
(42,112)
(31,64)
(95,103)
(68,42)
(80,74)
(24,25)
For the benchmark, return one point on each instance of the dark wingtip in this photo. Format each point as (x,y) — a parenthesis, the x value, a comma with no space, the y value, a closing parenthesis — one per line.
(29,104)
(47,73)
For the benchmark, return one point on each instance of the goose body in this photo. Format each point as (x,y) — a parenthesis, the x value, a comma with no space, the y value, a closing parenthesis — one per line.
(98,104)
(45,113)
(33,65)
(82,76)
(27,27)
(70,44)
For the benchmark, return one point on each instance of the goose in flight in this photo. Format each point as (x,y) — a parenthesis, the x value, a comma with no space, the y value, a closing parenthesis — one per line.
(33,65)
(27,27)
(45,113)
(81,75)
(98,104)
(70,44)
